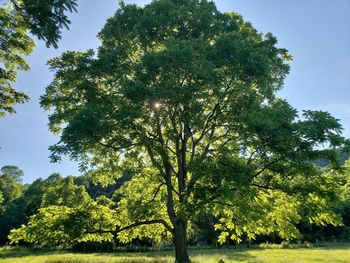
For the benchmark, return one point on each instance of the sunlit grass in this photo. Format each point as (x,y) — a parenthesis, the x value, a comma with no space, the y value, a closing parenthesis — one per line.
(336,254)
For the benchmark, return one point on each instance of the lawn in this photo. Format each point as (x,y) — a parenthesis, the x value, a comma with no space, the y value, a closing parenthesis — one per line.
(277,255)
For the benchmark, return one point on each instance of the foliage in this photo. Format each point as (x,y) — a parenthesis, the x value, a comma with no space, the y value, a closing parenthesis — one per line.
(14,44)
(13,171)
(67,215)
(95,189)
(10,190)
(55,225)
(43,19)
(52,191)
(345,195)
(142,200)
(65,193)
(10,184)
(337,199)
(25,203)
(1,203)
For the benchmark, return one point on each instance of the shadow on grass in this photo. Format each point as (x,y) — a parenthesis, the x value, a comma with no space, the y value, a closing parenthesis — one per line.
(223,254)
(16,252)
(197,254)
(152,257)
(60,256)
(102,261)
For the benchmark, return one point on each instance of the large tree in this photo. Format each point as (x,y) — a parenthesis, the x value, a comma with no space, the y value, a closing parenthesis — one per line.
(182,97)
(18,18)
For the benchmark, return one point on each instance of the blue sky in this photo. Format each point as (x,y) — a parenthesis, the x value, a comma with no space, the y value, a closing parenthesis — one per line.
(316,33)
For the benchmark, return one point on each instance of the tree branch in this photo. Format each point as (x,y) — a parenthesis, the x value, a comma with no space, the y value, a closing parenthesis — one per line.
(116,148)
(146,222)
(211,116)
(157,191)
(250,158)
(267,166)
(265,187)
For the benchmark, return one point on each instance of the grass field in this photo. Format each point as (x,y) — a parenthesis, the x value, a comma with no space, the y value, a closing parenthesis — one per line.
(332,254)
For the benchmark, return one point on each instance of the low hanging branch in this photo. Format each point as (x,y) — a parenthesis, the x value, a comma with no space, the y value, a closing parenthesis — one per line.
(146,222)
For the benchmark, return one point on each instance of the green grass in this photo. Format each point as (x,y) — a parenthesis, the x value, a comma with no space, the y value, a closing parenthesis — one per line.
(334,254)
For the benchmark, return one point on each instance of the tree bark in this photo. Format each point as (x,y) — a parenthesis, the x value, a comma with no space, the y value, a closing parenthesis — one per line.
(180,240)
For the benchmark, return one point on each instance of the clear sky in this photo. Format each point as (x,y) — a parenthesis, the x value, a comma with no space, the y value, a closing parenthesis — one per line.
(316,32)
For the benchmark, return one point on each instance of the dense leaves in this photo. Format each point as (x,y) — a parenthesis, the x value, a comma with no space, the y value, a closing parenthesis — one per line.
(67,215)
(10,184)
(14,44)
(43,19)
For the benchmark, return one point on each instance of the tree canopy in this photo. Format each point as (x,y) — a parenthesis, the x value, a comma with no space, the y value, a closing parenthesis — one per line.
(18,18)
(183,97)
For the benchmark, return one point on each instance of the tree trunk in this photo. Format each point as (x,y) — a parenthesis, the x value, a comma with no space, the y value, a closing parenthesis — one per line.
(180,238)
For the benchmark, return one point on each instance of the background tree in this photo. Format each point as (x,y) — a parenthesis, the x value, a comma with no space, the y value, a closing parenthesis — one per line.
(182,97)
(13,171)
(10,184)
(11,189)
(43,19)
(24,202)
